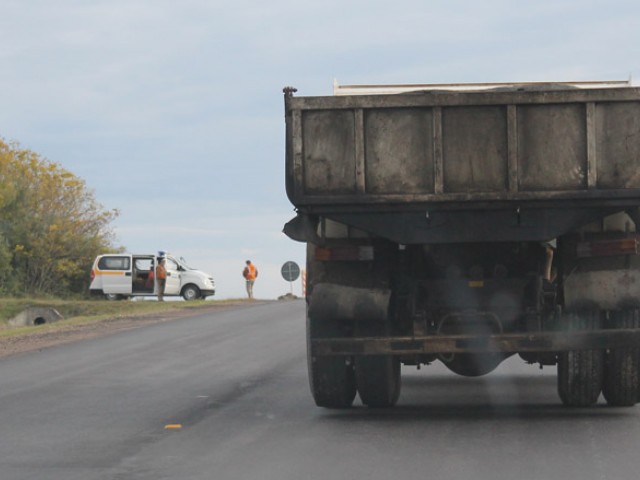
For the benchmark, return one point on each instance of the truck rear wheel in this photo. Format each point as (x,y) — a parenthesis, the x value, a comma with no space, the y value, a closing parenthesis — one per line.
(621,369)
(332,382)
(331,379)
(378,380)
(580,372)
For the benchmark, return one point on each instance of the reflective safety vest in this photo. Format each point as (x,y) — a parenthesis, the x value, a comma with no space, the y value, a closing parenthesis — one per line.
(161,272)
(252,272)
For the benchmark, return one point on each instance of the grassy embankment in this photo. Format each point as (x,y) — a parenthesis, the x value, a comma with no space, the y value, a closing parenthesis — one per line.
(86,311)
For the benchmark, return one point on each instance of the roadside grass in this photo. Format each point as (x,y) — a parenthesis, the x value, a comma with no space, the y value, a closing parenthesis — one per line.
(88,311)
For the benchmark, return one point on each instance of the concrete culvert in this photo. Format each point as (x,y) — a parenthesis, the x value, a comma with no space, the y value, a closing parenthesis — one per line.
(35,316)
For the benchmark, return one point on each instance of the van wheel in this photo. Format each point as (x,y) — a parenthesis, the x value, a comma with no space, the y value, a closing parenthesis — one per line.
(190,292)
(114,296)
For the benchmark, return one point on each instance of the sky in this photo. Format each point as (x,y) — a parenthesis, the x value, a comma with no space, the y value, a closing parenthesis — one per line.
(172,112)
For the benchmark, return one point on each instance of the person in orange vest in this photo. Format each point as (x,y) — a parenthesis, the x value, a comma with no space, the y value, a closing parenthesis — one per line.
(250,273)
(149,283)
(161,277)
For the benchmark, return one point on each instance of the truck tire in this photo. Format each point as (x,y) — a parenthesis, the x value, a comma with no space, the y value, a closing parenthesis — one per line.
(621,368)
(377,376)
(378,380)
(580,372)
(332,382)
(331,379)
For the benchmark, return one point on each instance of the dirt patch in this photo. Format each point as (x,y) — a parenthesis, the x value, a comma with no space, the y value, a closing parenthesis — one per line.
(52,335)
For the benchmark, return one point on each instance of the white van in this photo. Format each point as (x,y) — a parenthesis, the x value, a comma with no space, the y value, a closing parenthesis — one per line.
(123,275)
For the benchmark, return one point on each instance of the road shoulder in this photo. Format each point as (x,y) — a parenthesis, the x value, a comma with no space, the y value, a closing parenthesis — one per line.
(52,335)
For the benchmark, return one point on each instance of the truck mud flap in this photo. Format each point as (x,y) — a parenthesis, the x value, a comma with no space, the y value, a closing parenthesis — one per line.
(340,302)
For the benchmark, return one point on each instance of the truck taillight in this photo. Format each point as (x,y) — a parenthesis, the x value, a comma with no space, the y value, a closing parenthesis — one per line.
(344,253)
(93,274)
(608,248)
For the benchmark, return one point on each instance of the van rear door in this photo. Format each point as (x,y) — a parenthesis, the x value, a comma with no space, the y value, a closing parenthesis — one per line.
(115,271)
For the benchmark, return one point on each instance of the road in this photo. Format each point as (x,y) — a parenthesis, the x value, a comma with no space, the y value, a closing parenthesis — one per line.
(235,382)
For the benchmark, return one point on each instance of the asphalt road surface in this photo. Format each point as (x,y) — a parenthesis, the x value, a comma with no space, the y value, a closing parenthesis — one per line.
(224,396)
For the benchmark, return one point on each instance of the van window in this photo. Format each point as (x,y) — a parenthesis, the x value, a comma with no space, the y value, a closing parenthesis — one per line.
(172,265)
(114,263)
(143,264)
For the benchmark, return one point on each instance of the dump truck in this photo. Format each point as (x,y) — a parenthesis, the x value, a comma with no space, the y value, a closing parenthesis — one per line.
(466,224)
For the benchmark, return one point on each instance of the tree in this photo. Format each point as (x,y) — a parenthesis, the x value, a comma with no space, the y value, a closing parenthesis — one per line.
(52,225)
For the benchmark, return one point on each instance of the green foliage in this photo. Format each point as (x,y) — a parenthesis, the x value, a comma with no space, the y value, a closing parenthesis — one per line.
(51,226)
(6,282)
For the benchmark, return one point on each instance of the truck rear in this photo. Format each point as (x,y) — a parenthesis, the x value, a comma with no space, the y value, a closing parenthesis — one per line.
(465,225)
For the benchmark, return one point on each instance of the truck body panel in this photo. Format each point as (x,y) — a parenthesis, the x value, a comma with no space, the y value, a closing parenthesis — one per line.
(464,147)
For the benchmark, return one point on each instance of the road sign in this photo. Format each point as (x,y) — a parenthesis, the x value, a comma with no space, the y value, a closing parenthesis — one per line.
(290,271)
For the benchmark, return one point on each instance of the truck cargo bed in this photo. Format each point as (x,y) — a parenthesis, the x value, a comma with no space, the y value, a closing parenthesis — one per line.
(525,156)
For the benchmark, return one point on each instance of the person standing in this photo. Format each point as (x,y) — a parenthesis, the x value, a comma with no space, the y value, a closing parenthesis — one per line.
(250,273)
(161,277)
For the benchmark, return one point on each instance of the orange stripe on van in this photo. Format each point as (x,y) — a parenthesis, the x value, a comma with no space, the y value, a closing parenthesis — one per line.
(108,272)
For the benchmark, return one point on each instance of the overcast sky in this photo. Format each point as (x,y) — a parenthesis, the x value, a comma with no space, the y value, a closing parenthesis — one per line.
(173,113)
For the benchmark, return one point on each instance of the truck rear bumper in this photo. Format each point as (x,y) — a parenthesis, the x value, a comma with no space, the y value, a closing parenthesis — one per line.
(508,343)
